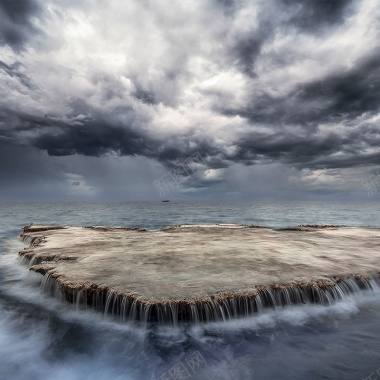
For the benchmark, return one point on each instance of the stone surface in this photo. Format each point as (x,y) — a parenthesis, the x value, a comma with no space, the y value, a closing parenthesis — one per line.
(196,262)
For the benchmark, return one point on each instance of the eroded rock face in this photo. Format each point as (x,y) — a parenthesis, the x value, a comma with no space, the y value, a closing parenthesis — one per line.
(202,270)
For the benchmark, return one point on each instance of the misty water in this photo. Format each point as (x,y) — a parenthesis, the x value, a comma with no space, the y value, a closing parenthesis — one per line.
(44,338)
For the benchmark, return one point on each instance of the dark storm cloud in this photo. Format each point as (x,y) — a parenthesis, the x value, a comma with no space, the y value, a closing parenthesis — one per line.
(145,96)
(241,83)
(284,147)
(226,3)
(94,138)
(16,24)
(316,14)
(98,137)
(245,53)
(313,15)
(14,70)
(351,93)
(13,122)
(78,106)
(338,97)
(229,6)
(312,150)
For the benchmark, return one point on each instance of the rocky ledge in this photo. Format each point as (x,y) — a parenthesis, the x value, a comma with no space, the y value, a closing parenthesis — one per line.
(201,273)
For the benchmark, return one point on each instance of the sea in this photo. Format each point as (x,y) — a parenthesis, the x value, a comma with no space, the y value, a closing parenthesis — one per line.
(42,337)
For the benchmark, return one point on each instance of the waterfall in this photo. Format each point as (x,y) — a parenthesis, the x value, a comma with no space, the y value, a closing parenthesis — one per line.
(129,307)
(222,307)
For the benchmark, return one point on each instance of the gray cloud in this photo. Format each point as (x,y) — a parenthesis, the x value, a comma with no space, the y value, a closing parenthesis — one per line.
(16,24)
(14,70)
(344,95)
(244,84)
(310,151)
(350,93)
(336,99)
(316,14)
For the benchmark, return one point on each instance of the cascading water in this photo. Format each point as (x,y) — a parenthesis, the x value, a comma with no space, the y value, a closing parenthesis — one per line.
(221,306)
(43,337)
(124,308)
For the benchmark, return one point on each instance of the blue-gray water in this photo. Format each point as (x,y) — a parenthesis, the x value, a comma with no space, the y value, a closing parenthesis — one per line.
(42,338)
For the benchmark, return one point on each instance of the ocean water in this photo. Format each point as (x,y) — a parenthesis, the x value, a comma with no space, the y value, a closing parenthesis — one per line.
(44,338)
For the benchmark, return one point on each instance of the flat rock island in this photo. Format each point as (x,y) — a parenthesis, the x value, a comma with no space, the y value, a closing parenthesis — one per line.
(205,272)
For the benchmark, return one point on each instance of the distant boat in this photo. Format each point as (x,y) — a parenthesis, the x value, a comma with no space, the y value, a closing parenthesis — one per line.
(165,201)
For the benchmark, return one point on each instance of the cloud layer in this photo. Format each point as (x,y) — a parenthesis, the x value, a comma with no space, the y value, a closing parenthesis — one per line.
(288,86)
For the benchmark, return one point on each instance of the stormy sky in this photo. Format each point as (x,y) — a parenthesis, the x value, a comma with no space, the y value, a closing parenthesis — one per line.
(190,99)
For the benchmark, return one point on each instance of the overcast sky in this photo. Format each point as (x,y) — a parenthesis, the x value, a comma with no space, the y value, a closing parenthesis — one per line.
(189,99)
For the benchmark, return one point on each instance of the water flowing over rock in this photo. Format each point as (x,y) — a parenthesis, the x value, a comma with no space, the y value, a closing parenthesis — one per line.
(201,273)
